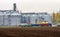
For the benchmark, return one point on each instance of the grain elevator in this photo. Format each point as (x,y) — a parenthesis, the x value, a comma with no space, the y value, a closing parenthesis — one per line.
(15,18)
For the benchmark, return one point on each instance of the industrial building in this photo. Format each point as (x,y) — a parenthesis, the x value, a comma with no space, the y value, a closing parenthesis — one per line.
(9,17)
(36,18)
(14,17)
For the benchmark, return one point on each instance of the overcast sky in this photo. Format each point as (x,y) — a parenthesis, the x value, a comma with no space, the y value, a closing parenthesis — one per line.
(31,5)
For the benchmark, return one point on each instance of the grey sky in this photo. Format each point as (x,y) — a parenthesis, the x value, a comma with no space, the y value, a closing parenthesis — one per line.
(31,5)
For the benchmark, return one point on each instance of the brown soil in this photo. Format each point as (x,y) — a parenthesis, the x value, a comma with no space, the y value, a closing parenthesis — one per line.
(29,32)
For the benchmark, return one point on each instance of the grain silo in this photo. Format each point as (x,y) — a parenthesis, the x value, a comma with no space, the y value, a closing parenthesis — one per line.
(1,18)
(10,17)
(15,19)
(25,18)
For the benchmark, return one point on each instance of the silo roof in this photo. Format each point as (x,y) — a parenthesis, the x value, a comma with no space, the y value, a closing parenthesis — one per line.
(15,14)
(1,13)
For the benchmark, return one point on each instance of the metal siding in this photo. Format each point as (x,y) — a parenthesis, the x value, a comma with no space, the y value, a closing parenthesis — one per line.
(33,19)
(5,19)
(1,19)
(15,20)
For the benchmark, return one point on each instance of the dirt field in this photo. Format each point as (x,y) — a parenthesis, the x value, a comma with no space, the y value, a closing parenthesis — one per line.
(29,32)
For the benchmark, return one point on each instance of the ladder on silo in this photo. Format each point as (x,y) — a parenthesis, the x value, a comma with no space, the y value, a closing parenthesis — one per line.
(9,20)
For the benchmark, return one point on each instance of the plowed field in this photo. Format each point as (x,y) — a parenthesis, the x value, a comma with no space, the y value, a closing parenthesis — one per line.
(29,32)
